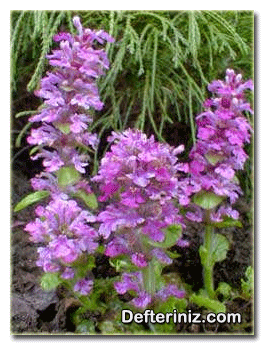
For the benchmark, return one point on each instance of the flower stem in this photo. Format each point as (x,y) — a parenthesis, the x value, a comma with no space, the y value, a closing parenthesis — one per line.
(208,265)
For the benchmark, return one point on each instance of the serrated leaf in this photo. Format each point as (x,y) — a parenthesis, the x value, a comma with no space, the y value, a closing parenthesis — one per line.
(207,200)
(208,303)
(67,176)
(50,281)
(90,199)
(220,247)
(31,199)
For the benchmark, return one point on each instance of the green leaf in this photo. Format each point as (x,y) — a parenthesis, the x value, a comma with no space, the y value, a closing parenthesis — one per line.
(172,303)
(67,176)
(90,199)
(84,265)
(180,304)
(22,133)
(33,150)
(50,281)
(173,255)
(92,302)
(100,249)
(25,113)
(66,87)
(64,128)
(235,179)
(224,289)
(121,263)
(247,285)
(249,273)
(108,327)
(227,223)
(86,326)
(31,199)
(220,247)
(207,200)
(172,235)
(214,158)
(208,303)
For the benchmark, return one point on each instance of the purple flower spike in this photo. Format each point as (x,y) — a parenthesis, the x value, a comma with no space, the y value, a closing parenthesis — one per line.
(65,249)
(66,231)
(69,91)
(141,177)
(223,131)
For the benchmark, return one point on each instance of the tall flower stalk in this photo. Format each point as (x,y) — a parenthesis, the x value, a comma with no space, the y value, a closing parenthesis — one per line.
(141,178)
(222,132)
(63,228)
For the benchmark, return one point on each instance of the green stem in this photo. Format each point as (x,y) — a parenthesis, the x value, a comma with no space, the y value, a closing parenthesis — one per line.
(208,265)
(149,278)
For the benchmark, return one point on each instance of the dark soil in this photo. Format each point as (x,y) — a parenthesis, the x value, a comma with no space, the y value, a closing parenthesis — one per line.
(36,311)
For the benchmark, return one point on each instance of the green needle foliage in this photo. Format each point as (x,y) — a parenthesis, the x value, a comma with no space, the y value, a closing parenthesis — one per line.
(161,61)
(31,40)
(160,64)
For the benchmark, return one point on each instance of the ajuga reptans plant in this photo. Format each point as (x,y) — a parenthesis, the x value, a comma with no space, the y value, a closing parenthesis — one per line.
(147,193)
(63,228)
